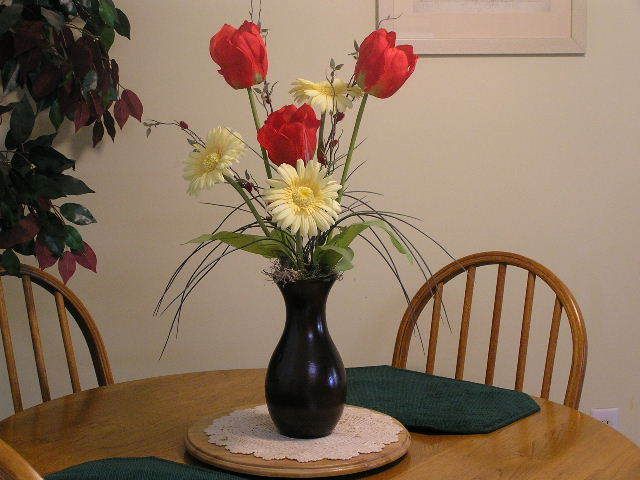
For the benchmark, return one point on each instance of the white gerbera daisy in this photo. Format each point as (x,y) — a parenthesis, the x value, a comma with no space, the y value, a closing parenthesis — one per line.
(303,200)
(208,165)
(322,95)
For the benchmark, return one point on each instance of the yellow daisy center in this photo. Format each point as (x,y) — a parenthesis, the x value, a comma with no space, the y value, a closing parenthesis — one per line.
(303,196)
(210,161)
(327,89)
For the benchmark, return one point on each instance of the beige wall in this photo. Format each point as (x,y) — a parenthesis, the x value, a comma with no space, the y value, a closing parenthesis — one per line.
(537,155)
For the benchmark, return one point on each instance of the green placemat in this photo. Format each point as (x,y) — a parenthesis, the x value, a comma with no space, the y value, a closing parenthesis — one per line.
(436,404)
(145,468)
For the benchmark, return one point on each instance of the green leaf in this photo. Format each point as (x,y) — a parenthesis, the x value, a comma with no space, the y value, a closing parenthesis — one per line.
(54,243)
(72,186)
(43,186)
(10,75)
(122,25)
(107,12)
(90,82)
(77,214)
(10,262)
(73,238)
(345,256)
(55,114)
(204,238)
(107,36)
(41,141)
(350,233)
(257,244)
(48,160)
(68,6)
(27,248)
(9,16)
(53,18)
(22,120)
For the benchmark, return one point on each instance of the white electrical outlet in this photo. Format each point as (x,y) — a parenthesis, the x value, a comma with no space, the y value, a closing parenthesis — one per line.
(608,416)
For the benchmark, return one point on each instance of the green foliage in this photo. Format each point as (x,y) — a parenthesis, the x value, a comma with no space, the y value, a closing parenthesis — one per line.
(22,120)
(54,57)
(335,254)
(10,262)
(343,257)
(122,24)
(73,239)
(265,246)
(77,214)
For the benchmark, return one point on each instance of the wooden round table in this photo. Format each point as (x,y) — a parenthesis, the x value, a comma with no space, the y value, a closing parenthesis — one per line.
(150,417)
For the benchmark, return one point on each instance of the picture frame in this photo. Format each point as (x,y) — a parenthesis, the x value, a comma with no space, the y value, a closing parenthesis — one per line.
(488,27)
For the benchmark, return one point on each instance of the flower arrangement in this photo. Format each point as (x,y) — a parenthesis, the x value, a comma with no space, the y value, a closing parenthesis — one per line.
(304,217)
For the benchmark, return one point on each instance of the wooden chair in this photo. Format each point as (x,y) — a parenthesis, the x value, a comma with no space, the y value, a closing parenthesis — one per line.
(65,300)
(564,300)
(13,466)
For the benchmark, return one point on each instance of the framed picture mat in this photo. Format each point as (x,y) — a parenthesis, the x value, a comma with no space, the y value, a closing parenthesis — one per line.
(522,27)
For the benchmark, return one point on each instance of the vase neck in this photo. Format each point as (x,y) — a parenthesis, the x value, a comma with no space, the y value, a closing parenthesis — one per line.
(305,302)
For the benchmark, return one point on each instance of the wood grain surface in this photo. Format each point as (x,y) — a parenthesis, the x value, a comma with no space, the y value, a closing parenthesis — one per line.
(197,443)
(151,417)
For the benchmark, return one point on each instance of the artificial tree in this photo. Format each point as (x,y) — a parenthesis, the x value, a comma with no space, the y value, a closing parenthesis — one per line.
(54,57)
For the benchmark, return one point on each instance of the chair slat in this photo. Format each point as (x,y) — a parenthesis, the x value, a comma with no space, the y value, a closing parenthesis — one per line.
(435,325)
(551,349)
(34,327)
(68,343)
(9,356)
(524,334)
(568,307)
(464,326)
(495,324)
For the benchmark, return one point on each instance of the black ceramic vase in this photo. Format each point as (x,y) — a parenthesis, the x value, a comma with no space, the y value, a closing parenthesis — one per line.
(306,384)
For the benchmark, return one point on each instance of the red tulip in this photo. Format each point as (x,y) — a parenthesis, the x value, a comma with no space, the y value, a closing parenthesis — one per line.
(241,54)
(382,68)
(290,134)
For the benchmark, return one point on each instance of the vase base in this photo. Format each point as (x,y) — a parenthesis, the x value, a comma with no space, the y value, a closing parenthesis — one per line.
(305,424)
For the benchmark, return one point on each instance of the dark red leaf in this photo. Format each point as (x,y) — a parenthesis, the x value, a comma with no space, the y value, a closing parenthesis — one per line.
(133,103)
(98,132)
(28,35)
(29,63)
(6,47)
(81,116)
(97,103)
(67,266)
(46,81)
(81,56)
(183,125)
(44,255)
(121,112)
(25,230)
(87,258)
(67,35)
(44,203)
(109,124)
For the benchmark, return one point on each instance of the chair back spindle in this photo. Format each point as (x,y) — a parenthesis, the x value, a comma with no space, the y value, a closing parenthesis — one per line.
(564,302)
(495,324)
(66,302)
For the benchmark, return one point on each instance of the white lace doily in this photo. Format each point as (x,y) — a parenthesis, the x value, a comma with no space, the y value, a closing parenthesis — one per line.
(252,432)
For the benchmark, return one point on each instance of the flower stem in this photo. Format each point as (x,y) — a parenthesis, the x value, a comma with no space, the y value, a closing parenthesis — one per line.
(321,136)
(254,111)
(299,250)
(352,145)
(249,203)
